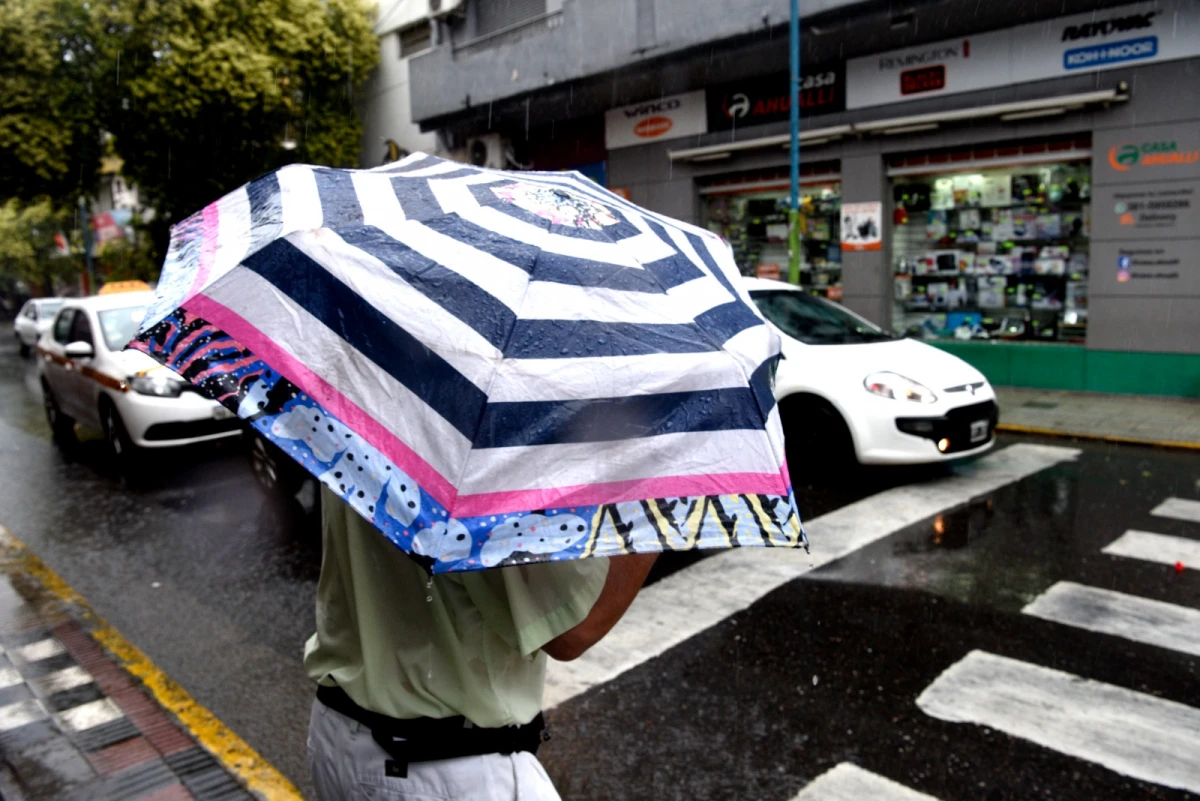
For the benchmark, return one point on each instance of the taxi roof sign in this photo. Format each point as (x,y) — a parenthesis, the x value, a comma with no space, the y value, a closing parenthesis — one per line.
(115,287)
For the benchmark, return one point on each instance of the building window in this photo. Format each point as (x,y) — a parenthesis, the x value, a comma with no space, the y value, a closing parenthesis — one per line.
(496,15)
(415,39)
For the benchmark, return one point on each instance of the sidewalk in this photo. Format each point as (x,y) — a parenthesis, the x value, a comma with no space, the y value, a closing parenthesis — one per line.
(75,725)
(1164,422)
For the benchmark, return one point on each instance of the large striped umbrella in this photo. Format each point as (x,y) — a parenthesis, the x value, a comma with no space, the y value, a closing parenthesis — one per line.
(494,368)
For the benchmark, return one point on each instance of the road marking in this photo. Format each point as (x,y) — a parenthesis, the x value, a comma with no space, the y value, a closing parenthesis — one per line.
(16,715)
(1131,733)
(848,782)
(1108,612)
(37,651)
(61,680)
(686,603)
(1179,508)
(260,776)
(90,715)
(9,677)
(1152,547)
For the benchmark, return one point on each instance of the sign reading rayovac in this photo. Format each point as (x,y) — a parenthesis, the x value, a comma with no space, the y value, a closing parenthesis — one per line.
(1146,32)
(763,100)
(655,120)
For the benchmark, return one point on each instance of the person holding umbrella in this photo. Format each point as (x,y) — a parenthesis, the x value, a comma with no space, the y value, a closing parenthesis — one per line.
(434,689)
(515,390)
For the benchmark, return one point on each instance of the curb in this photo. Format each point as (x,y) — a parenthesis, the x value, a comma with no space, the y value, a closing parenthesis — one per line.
(184,738)
(1054,432)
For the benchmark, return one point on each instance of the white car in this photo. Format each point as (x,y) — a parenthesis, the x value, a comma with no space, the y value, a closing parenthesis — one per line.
(849,391)
(87,377)
(33,321)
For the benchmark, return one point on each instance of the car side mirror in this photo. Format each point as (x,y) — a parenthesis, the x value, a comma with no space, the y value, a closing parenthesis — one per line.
(80,350)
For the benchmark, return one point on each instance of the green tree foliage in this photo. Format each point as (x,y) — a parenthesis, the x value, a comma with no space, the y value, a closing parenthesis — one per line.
(27,244)
(212,92)
(49,129)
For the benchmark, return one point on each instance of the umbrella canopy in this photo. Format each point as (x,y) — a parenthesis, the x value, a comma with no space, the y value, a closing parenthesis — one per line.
(494,368)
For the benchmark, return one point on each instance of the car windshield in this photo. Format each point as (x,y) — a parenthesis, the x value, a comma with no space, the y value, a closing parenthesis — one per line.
(119,325)
(814,321)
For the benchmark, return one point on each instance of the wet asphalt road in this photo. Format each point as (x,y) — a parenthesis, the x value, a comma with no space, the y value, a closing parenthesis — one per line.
(214,581)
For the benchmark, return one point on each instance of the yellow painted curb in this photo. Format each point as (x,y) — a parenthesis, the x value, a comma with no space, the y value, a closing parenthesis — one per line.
(1054,432)
(232,751)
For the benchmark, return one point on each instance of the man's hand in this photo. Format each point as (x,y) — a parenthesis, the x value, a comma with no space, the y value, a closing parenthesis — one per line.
(626,574)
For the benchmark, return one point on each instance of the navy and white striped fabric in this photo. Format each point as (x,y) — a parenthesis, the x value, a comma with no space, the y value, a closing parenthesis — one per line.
(493,367)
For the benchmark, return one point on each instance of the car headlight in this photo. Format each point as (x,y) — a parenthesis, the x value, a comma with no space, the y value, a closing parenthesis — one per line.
(160,386)
(897,387)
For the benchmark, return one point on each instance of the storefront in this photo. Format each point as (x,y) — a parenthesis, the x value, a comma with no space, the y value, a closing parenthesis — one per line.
(750,210)
(1036,189)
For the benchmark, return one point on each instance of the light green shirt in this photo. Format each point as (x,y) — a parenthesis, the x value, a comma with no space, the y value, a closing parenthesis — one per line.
(468,644)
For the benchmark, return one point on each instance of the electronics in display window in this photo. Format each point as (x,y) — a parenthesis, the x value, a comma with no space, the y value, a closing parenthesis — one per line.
(999,254)
(756,225)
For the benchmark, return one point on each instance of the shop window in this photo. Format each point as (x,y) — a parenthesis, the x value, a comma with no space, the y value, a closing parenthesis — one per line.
(993,254)
(755,223)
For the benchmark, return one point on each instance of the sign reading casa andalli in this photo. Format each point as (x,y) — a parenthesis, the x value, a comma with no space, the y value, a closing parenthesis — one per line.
(762,100)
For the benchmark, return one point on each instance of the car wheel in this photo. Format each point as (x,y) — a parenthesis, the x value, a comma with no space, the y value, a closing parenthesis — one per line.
(818,440)
(126,454)
(23,348)
(273,469)
(62,427)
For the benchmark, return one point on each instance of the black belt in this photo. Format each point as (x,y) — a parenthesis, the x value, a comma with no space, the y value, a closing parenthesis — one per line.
(429,739)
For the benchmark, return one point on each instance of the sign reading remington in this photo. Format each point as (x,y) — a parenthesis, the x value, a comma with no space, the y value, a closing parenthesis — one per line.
(1146,32)
(762,100)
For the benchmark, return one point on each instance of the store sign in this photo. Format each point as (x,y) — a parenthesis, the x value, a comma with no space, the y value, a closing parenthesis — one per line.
(759,101)
(1146,211)
(862,226)
(656,120)
(1147,32)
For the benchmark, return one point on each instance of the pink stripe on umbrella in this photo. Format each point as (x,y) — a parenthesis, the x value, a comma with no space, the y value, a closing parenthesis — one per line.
(619,491)
(208,246)
(324,393)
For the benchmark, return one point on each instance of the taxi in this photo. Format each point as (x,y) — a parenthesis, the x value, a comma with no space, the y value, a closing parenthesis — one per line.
(87,377)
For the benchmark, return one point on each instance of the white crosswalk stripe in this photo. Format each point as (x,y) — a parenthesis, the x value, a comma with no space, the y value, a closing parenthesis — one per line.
(848,782)
(90,715)
(692,600)
(1108,612)
(1131,733)
(1151,547)
(1178,508)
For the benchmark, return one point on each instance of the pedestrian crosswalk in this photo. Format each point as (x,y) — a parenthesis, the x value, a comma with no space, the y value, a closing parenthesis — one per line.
(1178,508)
(1129,616)
(848,782)
(1151,547)
(1132,733)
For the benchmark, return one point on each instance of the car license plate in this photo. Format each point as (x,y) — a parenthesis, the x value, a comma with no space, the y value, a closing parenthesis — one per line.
(221,413)
(979,431)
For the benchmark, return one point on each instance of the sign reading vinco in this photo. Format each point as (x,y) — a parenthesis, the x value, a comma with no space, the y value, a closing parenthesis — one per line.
(1161,30)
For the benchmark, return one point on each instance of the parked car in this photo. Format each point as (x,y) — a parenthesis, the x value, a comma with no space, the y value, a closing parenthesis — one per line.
(87,377)
(849,391)
(34,320)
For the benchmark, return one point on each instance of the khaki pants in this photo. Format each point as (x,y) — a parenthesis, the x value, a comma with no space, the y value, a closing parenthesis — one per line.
(348,765)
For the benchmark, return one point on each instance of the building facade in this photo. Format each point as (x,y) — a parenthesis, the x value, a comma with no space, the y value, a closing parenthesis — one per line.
(1015,183)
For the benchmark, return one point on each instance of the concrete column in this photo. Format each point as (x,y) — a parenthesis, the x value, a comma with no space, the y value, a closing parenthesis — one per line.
(867,276)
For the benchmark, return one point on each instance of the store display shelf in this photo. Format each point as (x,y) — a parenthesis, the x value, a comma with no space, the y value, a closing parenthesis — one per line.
(946,274)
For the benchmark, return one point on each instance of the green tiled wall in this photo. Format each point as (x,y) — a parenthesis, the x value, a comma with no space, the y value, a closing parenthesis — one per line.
(1071,367)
